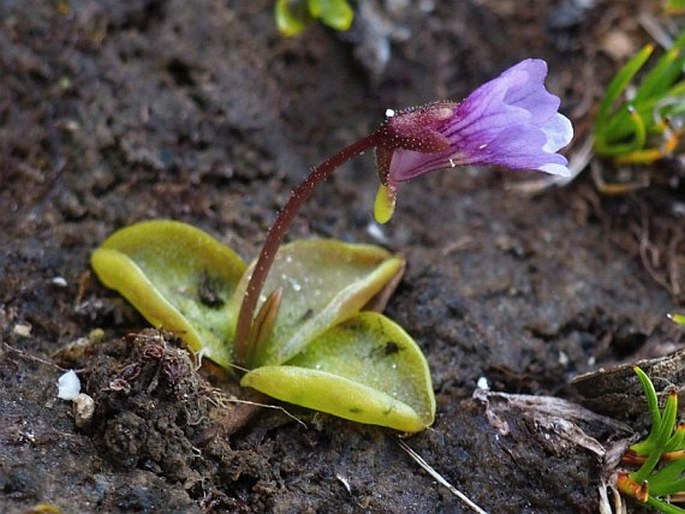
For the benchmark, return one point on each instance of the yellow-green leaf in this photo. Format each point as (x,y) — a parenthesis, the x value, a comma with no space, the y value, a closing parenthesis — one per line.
(324,282)
(292,16)
(178,277)
(366,369)
(336,14)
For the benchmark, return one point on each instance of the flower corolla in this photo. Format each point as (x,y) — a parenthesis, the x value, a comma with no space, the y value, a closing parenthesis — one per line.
(511,121)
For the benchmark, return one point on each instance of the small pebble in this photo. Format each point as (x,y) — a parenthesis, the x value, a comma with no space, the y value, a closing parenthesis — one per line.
(84,408)
(69,386)
(483,384)
(563,358)
(376,232)
(59,281)
(22,330)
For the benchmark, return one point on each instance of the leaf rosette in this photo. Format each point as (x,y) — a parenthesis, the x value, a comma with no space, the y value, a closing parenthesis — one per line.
(315,345)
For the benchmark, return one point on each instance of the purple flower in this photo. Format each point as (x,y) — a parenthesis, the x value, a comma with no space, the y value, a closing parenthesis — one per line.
(511,121)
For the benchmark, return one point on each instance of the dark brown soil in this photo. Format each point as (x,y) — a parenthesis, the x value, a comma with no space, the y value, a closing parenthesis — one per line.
(114,112)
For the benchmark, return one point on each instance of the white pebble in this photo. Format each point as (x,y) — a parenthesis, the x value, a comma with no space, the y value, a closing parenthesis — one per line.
(563,358)
(22,330)
(59,282)
(376,232)
(69,386)
(483,384)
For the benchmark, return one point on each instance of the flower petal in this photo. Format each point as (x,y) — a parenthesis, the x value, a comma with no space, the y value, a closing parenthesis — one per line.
(520,149)
(559,132)
(531,94)
(511,121)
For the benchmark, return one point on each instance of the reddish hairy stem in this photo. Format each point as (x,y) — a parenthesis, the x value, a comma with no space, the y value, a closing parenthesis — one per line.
(242,351)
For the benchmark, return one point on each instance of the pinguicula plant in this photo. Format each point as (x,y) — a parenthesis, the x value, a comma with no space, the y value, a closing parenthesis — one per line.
(641,123)
(293,16)
(659,480)
(304,319)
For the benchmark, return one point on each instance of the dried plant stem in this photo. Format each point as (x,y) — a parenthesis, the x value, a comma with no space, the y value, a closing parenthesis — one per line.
(437,476)
(241,347)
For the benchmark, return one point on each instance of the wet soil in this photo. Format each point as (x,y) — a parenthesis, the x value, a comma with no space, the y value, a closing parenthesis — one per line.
(115,112)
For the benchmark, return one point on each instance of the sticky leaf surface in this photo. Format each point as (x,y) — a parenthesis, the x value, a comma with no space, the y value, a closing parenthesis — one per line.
(179,278)
(324,282)
(366,369)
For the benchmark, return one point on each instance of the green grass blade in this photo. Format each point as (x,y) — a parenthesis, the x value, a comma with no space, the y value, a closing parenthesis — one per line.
(661,482)
(662,75)
(665,508)
(621,81)
(644,447)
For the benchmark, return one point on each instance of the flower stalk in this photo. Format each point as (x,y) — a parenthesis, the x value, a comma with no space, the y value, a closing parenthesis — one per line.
(241,347)
(511,121)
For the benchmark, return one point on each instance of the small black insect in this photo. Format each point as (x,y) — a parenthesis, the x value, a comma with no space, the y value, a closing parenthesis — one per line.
(386,350)
(306,316)
(391,347)
(208,294)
